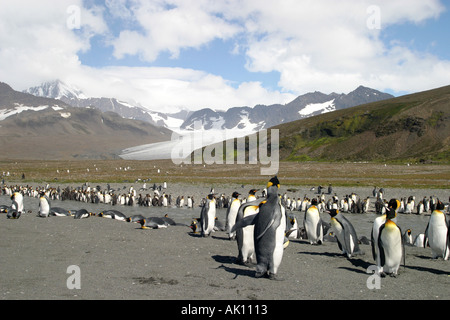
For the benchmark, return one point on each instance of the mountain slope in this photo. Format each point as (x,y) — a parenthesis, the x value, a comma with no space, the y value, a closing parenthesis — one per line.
(42,128)
(409,127)
(75,97)
(263,117)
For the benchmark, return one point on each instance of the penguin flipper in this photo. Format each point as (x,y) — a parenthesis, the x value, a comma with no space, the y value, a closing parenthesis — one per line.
(319,229)
(242,223)
(372,243)
(243,206)
(288,233)
(425,237)
(380,247)
(339,244)
(351,238)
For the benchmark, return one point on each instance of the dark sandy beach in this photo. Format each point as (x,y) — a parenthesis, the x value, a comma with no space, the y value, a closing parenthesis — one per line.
(118,260)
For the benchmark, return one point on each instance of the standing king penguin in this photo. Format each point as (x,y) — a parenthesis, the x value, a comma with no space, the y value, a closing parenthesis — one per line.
(245,235)
(345,234)
(44,206)
(232,214)
(208,215)
(313,224)
(269,234)
(391,246)
(437,233)
(377,223)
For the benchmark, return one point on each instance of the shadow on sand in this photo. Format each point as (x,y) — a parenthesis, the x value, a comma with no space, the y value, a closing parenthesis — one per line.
(242,271)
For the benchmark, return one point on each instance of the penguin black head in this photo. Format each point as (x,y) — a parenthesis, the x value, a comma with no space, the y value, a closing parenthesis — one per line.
(314,202)
(253,191)
(236,194)
(333,212)
(390,214)
(273,182)
(394,204)
(210,196)
(440,205)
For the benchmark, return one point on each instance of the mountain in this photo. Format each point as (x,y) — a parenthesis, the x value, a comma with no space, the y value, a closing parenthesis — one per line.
(44,128)
(408,128)
(263,117)
(76,98)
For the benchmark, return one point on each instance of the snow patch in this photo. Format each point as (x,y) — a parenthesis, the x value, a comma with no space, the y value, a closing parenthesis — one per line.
(316,107)
(19,108)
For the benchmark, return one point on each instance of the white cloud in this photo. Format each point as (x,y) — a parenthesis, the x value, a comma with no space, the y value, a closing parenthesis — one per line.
(171,26)
(171,89)
(36,43)
(326,45)
(314,45)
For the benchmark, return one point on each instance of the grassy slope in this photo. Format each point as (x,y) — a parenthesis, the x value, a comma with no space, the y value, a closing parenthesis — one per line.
(411,127)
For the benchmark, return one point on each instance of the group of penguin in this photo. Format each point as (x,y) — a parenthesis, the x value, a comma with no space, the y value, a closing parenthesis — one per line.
(46,210)
(121,196)
(262,227)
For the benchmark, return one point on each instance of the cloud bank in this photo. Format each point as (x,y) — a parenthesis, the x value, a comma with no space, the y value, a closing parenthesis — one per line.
(321,45)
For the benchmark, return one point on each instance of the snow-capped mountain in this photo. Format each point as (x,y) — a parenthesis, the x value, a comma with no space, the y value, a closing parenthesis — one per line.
(263,117)
(239,119)
(57,90)
(34,127)
(75,97)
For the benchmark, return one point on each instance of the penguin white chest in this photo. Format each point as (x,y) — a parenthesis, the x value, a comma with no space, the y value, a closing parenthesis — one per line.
(211,215)
(437,236)
(279,241)
(44,208)
(312,219)
(391,241)
(338,230)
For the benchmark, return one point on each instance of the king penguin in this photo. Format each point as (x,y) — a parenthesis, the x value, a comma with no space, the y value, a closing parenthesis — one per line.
(377,223)
(232,214)
(16,206)
(252,195)
(83,214)
(292,228)
(269,234)
(245,235)
(391,246)
(44,206)
(153,223)
(208,215)
(59,212)
(437,233)
(113,214)
(313,224)
(345,234)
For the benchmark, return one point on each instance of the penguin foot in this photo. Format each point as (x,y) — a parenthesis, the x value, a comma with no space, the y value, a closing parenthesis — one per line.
(259,274)
(248,264)
(393,275)
(273,276)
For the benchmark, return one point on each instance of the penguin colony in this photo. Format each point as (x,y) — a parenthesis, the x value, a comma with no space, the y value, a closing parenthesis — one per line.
(262,226)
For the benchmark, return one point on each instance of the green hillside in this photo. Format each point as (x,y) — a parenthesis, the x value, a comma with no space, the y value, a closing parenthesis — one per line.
(412,127)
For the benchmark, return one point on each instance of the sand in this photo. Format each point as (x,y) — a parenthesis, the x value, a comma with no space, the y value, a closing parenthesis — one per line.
(119,261)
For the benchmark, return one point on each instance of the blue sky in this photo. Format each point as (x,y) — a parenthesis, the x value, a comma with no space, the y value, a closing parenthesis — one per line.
(190,54)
